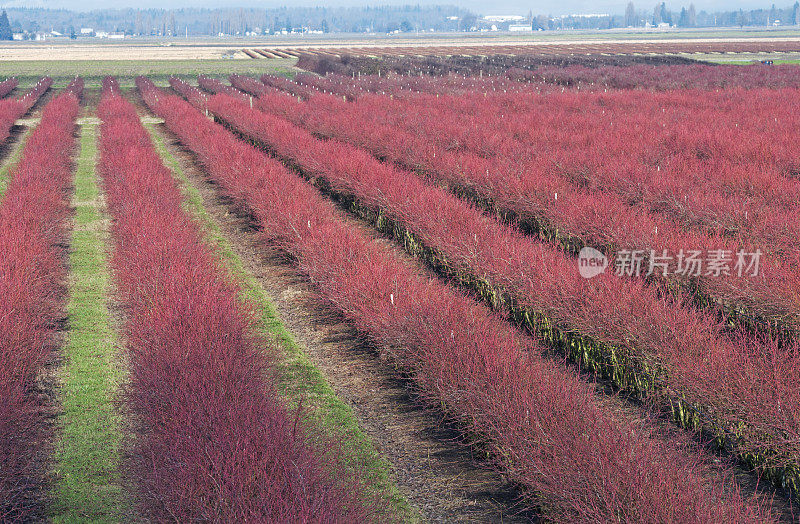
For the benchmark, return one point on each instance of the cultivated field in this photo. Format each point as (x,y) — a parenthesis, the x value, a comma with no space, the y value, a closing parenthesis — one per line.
(422,280)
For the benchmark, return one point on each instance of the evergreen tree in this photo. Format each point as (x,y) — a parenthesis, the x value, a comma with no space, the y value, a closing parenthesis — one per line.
(5,27)
(657,15)
(666,16)
(630,15)
(683,20)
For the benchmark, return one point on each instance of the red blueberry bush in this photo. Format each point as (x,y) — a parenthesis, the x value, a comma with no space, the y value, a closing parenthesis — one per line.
(582,459)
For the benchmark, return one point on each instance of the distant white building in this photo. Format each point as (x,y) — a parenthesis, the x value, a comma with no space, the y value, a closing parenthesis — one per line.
(101,34)
(504,18)
(87,30)
(116,36)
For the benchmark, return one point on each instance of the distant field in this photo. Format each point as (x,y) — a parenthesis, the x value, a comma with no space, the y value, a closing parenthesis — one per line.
(159,59)
(139,49)
(93,71)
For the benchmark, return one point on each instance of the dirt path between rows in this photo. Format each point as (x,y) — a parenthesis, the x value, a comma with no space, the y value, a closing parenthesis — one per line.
(433,470)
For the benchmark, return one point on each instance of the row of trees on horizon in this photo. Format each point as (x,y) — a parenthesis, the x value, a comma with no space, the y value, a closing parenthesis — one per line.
(688,17)
(28,22)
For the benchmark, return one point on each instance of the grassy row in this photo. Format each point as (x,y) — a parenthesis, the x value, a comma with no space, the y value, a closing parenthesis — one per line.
(301,381)
(93,71)
(87,486)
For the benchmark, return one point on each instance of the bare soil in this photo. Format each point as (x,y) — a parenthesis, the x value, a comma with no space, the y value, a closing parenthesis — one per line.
(105,51)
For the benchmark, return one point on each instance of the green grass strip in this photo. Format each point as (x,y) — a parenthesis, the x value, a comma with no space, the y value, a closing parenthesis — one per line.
(87,486)
(300,380)
(28,72)
(12,160)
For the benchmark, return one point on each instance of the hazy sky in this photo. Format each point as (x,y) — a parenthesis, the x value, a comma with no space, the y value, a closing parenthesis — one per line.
(554,7)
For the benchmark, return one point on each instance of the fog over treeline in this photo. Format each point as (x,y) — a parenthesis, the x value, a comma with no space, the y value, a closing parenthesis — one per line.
(382,19)
(242,20)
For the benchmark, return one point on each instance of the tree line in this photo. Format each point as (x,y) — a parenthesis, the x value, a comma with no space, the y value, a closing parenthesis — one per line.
(385,19)
(689,17)
(242,21)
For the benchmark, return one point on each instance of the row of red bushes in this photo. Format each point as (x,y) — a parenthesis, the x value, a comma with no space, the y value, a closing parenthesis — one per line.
(12,109)
(307,85)
(573,135)
(661,143)
(207,82)
(213,441)
(34,215)
(557,207)
(581,458)
(7,86)
(404,86)
(652,150)
(754,125)
(284,84)
(576,76)
(750,390)
(678,76)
